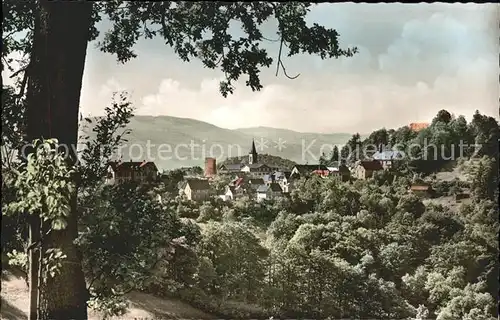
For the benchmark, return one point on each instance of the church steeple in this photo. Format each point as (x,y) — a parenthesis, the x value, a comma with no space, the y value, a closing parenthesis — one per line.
(252,155)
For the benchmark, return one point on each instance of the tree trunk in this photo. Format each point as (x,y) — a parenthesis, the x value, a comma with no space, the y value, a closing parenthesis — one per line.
(55,80)
(34,266)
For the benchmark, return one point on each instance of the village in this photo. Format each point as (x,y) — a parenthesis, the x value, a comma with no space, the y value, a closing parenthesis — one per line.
(261,181)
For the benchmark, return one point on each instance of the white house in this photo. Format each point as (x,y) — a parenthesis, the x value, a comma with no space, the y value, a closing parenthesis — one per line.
(389,157)
(197,190)
(257,169)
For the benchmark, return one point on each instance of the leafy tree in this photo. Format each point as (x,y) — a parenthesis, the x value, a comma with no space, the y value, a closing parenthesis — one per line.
(442,116)
(351,151)
(237,257)
(171,180)
(484,178)
(486,132)
(125,237)
(401,137)
(335,155)
(378,138)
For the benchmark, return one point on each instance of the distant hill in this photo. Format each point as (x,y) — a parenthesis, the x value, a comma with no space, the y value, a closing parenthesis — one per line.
(179,142)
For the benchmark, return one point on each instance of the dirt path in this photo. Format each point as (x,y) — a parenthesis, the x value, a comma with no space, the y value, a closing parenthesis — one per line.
(14,296)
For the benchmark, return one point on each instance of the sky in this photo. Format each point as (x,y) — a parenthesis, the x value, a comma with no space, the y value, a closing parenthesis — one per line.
(413,60)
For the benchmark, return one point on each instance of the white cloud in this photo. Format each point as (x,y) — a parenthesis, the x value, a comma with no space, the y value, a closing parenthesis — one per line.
(346,103)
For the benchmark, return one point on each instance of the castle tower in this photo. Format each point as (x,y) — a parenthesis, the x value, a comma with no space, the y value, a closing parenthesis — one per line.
(210,167)
(252,155)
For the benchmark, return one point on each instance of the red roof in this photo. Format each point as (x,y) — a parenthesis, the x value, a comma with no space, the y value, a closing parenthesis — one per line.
(417,126)
(322,172)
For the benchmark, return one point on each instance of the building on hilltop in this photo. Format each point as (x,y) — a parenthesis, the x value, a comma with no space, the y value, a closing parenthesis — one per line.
(389,157)
(417,126)
(120,172)
(231,168)
(257,169)
(252,168)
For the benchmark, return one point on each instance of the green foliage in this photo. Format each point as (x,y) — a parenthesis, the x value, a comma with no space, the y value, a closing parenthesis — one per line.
(18,259)
(238,259)
(200,30)
(13,121)
(52,262)
(98,151)
(486,133)
(351,151)
(484,178)
(44,185)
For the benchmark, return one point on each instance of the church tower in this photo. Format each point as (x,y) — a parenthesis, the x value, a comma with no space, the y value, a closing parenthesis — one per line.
(252,155)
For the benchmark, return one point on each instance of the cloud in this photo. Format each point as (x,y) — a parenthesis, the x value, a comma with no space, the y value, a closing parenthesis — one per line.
(438,45)
(110,87)
(345,104)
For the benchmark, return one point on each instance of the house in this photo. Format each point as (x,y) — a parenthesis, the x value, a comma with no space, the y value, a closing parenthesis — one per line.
(279,177)
(269,192)
(230,168)
(365,169)
(421,189)
(119,172)
(341,173)
(282,178)
(197,190)
(254,183)
(389,157)
(257,169)
(306,169)
(232,193)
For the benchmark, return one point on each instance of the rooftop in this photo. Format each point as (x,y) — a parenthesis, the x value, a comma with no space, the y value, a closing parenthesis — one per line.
(417,126)
(132,165)
(371,165)
(389,155)
(271,187)
(198,184)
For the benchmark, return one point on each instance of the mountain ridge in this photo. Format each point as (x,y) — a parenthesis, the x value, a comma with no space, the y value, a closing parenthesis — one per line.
(174,142)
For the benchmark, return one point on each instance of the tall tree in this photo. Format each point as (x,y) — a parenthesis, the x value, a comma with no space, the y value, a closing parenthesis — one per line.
(335,155)
(442,116)
(59,33)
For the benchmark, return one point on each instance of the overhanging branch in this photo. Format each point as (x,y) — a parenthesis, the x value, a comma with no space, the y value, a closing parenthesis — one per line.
(280,63)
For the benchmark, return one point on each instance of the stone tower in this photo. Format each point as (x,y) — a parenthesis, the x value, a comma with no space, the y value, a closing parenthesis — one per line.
(252,155)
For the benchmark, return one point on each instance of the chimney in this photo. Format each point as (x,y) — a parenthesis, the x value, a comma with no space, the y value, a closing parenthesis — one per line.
(210,167)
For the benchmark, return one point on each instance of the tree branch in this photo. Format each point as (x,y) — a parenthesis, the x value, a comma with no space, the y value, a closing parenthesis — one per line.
(280,63)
